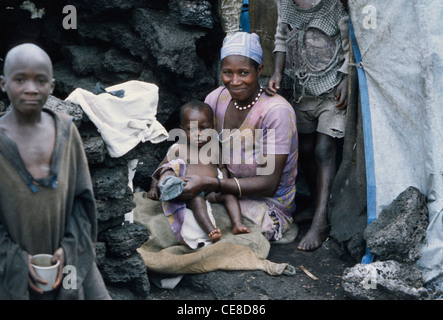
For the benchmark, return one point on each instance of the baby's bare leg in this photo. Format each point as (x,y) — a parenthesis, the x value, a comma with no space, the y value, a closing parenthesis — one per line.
(233,207)
(200,210)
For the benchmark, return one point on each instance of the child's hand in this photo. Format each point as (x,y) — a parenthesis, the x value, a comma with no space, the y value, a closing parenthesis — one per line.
(276,78)
(341,94)
(59,254)
(153,194)
(273,84)
(34,277)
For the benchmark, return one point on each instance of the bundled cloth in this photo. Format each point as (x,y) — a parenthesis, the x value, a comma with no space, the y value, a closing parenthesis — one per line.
(126,120)
(162,253)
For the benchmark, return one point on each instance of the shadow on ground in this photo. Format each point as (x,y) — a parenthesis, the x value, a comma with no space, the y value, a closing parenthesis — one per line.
(318,277)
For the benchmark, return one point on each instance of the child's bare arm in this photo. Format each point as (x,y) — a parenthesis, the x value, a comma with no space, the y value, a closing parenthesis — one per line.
(341,93)
(153,192)
(275,79)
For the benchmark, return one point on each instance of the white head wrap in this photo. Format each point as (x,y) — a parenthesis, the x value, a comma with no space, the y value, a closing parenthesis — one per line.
(243,44)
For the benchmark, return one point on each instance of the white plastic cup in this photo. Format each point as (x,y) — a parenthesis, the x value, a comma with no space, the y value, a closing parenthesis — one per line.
(45,269)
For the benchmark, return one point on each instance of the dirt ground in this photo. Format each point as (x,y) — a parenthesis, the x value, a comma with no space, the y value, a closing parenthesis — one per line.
(318,277)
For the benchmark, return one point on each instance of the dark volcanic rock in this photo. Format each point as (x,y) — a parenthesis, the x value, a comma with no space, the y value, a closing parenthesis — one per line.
(123,240)
(109,183)
(400,229)
(192,12)
(173,46)
(127,273)
(84,59)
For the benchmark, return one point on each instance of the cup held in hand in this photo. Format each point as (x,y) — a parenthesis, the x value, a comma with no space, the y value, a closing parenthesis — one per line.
(45,269)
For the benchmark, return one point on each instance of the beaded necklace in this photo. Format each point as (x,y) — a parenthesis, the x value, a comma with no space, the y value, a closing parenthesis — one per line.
(251,104)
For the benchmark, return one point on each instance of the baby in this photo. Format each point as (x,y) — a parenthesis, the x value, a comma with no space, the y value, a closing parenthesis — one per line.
(201,114)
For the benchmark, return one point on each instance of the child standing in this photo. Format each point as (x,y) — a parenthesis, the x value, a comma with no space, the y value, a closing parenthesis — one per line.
(47,202)
(312,49)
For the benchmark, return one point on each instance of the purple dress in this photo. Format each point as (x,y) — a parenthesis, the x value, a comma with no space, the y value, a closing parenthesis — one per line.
(269,129)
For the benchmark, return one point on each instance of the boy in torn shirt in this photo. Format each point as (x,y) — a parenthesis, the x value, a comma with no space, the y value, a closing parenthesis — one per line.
(312,49)
(46,196)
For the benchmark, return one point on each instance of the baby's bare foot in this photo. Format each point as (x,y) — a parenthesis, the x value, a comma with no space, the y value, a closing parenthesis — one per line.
(238,229)
(215,235)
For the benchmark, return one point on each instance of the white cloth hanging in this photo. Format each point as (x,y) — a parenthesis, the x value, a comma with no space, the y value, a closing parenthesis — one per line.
(123,122)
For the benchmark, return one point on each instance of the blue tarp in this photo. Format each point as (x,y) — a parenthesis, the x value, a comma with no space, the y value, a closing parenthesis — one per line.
(399,50)
(244,17)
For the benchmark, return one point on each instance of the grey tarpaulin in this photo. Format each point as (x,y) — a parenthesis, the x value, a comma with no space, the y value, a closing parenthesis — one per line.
(401,46)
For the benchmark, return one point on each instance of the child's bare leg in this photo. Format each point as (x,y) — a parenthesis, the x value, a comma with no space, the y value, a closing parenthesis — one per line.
(325,159)
(198,207)
(233,207)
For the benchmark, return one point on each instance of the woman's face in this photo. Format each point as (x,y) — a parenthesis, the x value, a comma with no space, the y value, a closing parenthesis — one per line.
(240,77)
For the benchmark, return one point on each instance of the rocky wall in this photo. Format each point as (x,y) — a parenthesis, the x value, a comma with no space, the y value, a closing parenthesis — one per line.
(173,44)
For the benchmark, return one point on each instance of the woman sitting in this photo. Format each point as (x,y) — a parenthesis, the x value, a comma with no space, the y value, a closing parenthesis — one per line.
(258,138)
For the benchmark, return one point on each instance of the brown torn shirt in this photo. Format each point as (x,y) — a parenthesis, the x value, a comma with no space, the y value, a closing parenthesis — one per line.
(40,216)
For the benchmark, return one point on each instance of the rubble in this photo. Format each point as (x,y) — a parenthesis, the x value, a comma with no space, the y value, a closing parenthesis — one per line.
(384,280)
(394,239)
(400,229)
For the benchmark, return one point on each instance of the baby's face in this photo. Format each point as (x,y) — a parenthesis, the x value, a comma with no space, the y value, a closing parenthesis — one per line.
(196,126)
(28,83)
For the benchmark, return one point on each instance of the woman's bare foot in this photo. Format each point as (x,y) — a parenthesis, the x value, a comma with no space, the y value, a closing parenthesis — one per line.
(215,235)
(240,228)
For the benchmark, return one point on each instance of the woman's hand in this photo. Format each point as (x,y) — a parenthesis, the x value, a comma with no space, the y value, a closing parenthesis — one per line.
(194,186)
